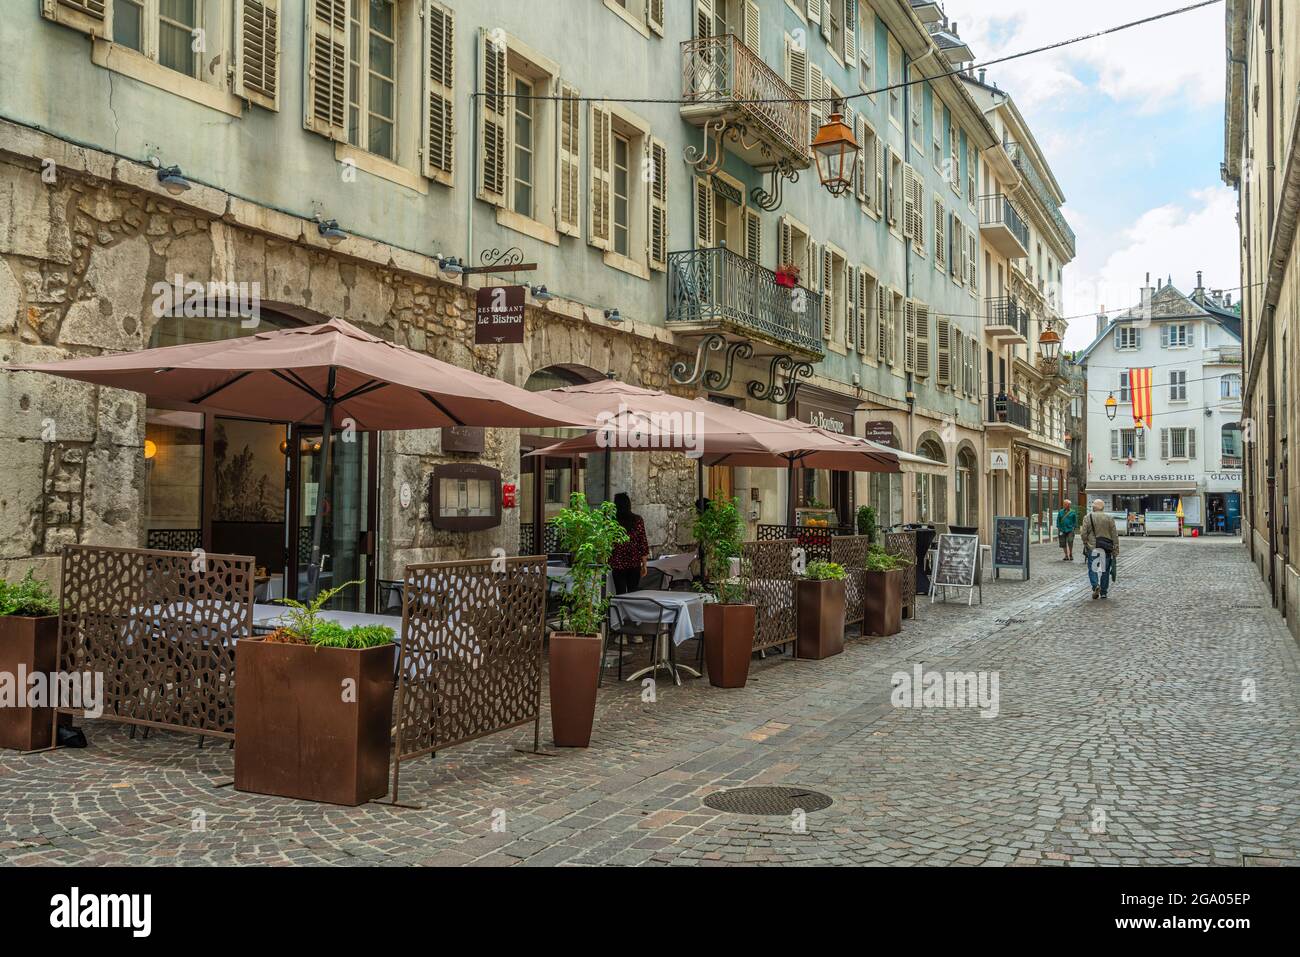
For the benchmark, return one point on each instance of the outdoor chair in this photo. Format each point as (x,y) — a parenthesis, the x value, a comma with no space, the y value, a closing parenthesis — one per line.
(660,620)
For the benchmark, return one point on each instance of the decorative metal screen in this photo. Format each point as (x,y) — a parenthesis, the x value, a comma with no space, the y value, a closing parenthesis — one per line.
(769,566)
(161,627)
(175,539)
(471,656)
(904,543)
(814,540)
(851,552)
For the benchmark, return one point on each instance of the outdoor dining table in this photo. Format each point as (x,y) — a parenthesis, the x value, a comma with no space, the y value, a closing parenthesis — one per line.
(688,622)
(674,567)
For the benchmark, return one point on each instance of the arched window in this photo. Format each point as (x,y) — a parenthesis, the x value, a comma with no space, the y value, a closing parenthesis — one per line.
(968,493)
(932,490)
(1230,386)
(1231,448)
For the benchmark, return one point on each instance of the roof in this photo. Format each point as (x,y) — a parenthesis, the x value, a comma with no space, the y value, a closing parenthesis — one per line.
(1227,318)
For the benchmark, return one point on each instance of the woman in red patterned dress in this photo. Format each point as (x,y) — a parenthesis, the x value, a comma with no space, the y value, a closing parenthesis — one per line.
(628,558)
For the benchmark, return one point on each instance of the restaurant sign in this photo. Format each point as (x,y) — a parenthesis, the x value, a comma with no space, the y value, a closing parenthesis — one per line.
(499,315)
(882,431)
(839,421)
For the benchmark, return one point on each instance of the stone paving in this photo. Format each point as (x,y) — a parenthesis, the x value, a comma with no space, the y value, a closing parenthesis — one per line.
(1121,737)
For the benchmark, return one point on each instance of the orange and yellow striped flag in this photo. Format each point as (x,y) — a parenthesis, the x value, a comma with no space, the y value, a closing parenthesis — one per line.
(1139,383)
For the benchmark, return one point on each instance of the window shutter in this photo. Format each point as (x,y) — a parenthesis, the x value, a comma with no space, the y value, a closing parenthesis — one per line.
(922,341)
(1142,443)
(569,162)
(814,11)
(257,44)
(657,156)
(1164,337)
(785,245)
(943,350)
(940,254)
(850,303)
(1137,338)
(909,204)
(860,180)
(880,177)
(753,236)
(882,323)
(439,94)
(601,178)
(654,16)
(327,68)
(1164,443)
(492,104)
(828,297)
(972,260)
(749,29)
(954,245)
(1114,443)
(850,33)
(1191,443)
(703,213)
(704,19)
(94,17)
(864,306)
(918,212)
(816,95)
(825,20)
(796,66)
(909,336)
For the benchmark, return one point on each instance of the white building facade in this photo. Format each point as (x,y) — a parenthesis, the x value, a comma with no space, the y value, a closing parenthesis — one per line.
(1189,452)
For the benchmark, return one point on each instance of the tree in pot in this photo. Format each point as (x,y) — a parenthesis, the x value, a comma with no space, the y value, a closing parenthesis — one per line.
(29,640)
(589,535)
(820,601)
(728,621)
(314,708)
(883,598)
(867,523)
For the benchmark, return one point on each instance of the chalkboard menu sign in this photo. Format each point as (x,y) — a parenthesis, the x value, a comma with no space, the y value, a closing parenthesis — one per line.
(955,563)
(1011,544)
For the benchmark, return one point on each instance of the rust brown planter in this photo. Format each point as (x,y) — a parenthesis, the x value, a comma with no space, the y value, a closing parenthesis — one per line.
(574,672)
(883,603)
(32,645)
(295,734)
(821,618)
(728,643)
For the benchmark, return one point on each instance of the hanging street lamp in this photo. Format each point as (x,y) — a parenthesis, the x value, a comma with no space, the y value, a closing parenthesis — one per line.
(1049,345)
(836,153)
(1112,406)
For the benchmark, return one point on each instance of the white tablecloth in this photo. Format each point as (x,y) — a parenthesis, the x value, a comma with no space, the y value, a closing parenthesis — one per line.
(270,617)
(674,567)
(689,605)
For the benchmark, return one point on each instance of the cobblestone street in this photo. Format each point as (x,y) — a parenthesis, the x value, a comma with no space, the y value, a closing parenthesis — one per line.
(1121,737)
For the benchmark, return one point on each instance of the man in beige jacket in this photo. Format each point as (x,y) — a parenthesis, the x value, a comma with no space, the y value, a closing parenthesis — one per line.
(1100,547)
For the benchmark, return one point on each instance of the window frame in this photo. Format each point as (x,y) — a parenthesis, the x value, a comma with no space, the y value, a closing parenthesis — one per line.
(359,92)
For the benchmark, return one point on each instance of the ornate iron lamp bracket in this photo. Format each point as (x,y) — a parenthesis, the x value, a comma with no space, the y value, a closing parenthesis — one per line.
(685,375)
(717,381)
(770,197)
(502,258)
(707,158)
(774,390)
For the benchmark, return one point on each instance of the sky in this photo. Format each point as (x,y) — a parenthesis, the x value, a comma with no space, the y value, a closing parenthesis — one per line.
(1132,125)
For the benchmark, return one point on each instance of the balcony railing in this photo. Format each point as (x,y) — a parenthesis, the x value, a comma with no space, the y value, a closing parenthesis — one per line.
(1223,356)
(1007,409)
(1036,181)
(996,214)
(722,70)
(716,288)
(1006,312)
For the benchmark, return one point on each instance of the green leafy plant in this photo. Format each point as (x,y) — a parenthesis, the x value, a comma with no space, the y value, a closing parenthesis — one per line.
(589,536)
(867,522)
(879,560)
(824,571)
(720,530)
(28,598)
(303,624)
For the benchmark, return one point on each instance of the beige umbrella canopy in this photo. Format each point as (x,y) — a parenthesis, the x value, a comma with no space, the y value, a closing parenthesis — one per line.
(320,375)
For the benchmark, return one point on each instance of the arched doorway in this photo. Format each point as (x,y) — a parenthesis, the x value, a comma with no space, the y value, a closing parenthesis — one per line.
(234,485)
(546,485)
(931,490)
(967,490)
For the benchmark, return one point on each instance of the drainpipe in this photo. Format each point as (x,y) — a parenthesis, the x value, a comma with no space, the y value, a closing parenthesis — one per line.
(907,280)
(1272,312)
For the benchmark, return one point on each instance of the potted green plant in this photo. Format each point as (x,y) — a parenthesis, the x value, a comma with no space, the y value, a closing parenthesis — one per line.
(728,621)
(883,598)
(867,523)
(819,597)
(314,709)
(589,535)
(29,642)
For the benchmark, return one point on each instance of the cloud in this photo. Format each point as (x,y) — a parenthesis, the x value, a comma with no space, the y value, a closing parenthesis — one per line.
(1172,239)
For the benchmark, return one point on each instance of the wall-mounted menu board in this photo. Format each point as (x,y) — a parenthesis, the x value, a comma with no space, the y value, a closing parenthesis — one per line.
(955,564)
(1011,544)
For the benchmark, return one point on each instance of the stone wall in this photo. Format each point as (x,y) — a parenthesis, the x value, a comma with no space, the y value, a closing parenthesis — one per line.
(79,257)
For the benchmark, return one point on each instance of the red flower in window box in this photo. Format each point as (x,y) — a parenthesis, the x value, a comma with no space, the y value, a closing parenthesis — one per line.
(787,275)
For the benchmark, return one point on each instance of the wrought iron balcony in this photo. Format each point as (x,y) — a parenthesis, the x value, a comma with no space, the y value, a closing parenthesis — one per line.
(1003,227)
(1004,410)
(1005,320)
(1030,172)
(716,290)
(725,81)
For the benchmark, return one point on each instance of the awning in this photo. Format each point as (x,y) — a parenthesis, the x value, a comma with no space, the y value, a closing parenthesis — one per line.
(1145,488)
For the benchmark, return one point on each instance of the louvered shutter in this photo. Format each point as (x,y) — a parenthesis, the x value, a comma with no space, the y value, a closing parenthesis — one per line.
(1164,443)
(943,350)
(753,236)
(909,335)
(657,240)
(828,293)
(918,212)
(569,163)
(1114,443)
(880,177)
(94,17)
(882,323)
(1164,337)
(439,94)
(493,148)
(703,213)
(922,341)
(864,306)
(1191,443)
(825,20)
(256,76)
(940,252)
(972,260)
(860,180)
(796,66)
(850,33)
(785,245)
(654,16)
(1142,444)
(816,95)
(327,68)
(749,28)
(851,304)
(909,218)
(891,327)
(704,18)
(814,9)
(600,178)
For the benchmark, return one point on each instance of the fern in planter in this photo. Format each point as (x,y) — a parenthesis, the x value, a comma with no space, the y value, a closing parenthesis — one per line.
(824,572)
(28,598)
(720,531)
(589,536)
(867,523)
(305,626)
(879,560)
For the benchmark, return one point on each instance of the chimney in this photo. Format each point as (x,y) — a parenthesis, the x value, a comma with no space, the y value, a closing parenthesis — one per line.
(1198,294)
(983,73)
(1102,321)
(1146,294)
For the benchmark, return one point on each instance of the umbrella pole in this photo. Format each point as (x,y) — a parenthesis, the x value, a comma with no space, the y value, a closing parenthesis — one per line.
(789,493)
(327,461)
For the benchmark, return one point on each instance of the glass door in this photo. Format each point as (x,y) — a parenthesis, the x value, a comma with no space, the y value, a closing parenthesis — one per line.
(345,504)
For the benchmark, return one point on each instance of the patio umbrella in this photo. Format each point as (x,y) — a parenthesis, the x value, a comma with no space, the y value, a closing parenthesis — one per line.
(320,375)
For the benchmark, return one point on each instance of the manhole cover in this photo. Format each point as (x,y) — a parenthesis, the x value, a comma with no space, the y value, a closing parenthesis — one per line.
(767,800)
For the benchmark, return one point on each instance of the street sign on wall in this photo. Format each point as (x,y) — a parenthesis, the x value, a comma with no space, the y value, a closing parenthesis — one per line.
(499,315)
(999,459)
